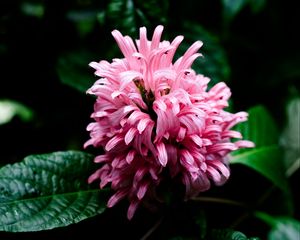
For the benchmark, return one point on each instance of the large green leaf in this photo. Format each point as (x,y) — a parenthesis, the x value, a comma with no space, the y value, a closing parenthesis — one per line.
(290,138)
(73,70)
(48,191)
(283,228)
(260,127)
(267,161)
(266,157)
(214,63)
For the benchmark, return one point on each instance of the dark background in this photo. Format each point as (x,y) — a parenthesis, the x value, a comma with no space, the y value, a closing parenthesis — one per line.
(45,48)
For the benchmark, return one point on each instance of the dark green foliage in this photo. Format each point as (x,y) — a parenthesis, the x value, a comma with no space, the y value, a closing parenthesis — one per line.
(228,234)
(284,228)
(266,157)
(45,49)
(128,15)
(48,191)
(72,70)
(214,62)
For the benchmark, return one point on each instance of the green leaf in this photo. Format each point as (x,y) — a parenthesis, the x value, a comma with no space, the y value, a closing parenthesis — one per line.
(257,5)
(9,109)
(74,71)
(48,191)
(84,20)
(232,7)
(266,157)
(121,15)
(227,234)
(214,63)
(149,13)
(283,228)
(128,15)
(201,221)
(266,161)
(260,127)
(290,138)
(33,9)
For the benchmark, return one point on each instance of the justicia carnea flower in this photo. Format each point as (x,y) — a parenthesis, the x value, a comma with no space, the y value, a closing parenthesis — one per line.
(154,117)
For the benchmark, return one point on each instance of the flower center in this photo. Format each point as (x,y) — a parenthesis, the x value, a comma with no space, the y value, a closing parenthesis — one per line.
(148,98)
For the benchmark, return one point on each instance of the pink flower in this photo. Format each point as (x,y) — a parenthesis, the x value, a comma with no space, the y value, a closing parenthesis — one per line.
(153,117)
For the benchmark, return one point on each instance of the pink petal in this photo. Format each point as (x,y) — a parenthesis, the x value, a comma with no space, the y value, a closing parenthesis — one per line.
(231,134)
(101,158)
(244,144)
(160,104)
(221,167)
(156,36)
(130,135)
(196,139)
(99,114)
(153,174)
(213,174)
(220,91)
(128,77)
(162,153)
(130,156)
(201,183)
(143,123)
(181,134)
(123,44)
(132,208)
(89,142)
(143,43)
(104,181)
(118,196)
(139,174)
(94,176)
(221,147)
(129,108)
(142,191)
(189,56)
(136,116)
(115,162)
(187,156)
(175,43)
(113,142)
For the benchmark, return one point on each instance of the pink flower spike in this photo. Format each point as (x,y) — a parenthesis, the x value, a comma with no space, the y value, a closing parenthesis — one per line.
(156,120)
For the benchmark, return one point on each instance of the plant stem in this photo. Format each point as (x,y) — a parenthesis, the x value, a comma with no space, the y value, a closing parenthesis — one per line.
(220,200)
(151,230)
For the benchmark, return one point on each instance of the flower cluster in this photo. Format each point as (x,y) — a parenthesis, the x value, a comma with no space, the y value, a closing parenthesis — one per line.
(153,115)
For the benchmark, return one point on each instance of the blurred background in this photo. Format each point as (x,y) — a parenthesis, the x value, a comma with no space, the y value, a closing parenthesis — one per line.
(46,46)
